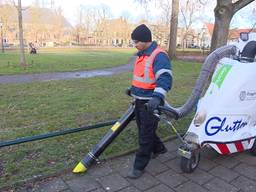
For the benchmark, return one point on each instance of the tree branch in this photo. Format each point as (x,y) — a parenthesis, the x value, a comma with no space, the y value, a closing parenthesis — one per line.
(14,4)
(184,17)
(240,4)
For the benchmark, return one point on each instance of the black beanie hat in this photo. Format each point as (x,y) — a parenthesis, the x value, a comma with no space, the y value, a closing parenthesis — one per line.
(142,33)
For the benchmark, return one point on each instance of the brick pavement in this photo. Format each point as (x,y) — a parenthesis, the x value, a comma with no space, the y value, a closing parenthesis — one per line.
(233,173)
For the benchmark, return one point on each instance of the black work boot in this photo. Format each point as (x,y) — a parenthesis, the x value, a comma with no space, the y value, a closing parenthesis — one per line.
(135,173)
(159,150)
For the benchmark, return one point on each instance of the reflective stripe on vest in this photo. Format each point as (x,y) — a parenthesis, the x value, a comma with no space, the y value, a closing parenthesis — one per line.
(148,79)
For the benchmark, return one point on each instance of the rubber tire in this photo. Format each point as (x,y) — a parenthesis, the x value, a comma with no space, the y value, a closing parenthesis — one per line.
(189,165)
(253,149)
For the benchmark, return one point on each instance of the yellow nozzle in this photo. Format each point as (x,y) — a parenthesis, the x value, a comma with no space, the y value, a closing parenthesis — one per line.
(80,168)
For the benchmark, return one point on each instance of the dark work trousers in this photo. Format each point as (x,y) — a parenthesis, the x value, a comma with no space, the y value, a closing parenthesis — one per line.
(148,140)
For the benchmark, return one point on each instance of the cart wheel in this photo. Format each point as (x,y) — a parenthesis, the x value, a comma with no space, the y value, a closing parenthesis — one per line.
(253,149)
(189,165)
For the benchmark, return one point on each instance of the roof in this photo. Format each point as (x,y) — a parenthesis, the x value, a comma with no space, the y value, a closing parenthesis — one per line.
(209,27)
(45,15)
(36,14)
(233,33)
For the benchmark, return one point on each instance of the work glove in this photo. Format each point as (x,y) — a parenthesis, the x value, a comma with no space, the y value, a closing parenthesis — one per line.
(153,104)
(128,91)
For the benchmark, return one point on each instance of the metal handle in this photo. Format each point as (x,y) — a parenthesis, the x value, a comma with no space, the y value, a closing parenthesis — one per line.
(170,110)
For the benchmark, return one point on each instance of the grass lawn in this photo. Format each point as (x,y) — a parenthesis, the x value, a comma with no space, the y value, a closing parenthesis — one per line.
(52,60)
(36,108)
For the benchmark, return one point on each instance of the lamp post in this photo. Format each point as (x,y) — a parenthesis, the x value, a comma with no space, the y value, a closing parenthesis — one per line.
(2,40)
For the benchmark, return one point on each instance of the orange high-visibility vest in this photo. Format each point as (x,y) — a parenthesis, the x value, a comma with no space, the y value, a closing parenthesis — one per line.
(143,74)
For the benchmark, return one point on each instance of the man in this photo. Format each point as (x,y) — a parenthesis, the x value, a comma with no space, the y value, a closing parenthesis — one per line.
(152,79)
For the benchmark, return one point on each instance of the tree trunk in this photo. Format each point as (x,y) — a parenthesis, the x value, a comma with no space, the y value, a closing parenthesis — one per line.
(22,53)
(173,29)
(224,11)
(223,15)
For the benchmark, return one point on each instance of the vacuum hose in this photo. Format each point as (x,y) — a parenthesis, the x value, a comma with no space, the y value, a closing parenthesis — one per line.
(105,141)
(206,71)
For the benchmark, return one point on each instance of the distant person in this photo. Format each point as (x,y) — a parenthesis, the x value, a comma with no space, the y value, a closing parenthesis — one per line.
(152,79)
(32,49)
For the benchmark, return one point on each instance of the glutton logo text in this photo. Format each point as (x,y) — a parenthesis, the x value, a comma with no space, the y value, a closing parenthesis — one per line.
(216,125)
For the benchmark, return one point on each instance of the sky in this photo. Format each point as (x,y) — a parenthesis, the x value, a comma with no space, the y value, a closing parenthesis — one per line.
(120,7)
(70,7)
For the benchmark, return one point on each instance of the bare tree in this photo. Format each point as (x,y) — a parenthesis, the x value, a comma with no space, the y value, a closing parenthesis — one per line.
(144,4)
(103,11)
(189,12)
(6,13)
(247,15)
(79,27)
(89,17)
(166,6)
(22,52)
(224,11)
(173,26)
(58,21)
(173,29)
(35,27)
(52,4)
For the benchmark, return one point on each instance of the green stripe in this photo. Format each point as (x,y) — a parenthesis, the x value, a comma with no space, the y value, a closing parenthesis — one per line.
(221,75)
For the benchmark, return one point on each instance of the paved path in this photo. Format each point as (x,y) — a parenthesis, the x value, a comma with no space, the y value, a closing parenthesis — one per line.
(216,173)
(194,58)
(27,78)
